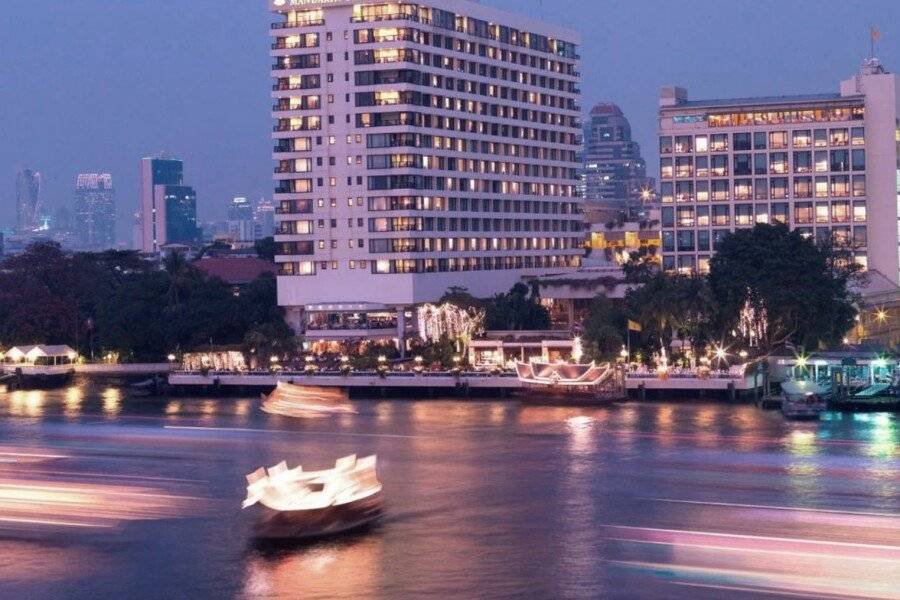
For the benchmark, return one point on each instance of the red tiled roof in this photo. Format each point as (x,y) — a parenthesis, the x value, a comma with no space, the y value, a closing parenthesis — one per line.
(236,271)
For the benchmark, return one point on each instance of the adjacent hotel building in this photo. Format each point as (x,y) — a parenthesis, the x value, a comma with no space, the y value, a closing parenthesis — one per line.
(418,147)
(825,164)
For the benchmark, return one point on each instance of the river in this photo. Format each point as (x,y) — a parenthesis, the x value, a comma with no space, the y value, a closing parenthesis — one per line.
(106,496)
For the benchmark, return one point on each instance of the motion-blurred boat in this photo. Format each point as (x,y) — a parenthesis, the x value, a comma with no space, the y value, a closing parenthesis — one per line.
(300,504)
(307,401)
(804,399)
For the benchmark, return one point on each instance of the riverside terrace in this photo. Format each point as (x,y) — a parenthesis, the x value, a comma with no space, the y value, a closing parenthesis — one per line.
(732,383)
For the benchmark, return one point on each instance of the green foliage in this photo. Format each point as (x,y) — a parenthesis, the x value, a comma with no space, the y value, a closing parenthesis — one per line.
(517,310)
(604,329)
(116,301)
(265,248)
(801,287)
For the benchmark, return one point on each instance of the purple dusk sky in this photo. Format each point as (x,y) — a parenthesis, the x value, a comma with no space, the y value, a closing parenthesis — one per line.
(94,85)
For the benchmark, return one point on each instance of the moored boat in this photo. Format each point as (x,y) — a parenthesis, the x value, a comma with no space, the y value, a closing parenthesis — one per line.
(563,383)
(300,505)
(40,366)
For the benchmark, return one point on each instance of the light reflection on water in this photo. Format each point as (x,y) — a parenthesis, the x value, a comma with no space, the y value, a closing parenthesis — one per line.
(485,499)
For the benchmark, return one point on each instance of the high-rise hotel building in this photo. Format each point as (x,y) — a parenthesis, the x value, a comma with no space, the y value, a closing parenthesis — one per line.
(824,164)
(418,147)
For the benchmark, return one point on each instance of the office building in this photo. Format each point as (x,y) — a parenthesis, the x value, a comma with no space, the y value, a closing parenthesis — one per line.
(94,223)
(241,227)
(28,202)
(418,147)
(824,164)
(264,218)
(168,207)
(614,172)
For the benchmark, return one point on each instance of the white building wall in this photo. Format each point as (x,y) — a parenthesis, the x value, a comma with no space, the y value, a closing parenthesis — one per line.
(338,155)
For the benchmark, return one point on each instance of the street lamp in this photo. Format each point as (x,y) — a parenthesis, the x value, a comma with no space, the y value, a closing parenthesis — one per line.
(743,354)
(624,353)
(171,357)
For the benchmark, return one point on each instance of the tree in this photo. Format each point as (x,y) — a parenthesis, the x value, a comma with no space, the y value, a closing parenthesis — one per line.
(603,329)
(519,309)
(266,248)
(776,286)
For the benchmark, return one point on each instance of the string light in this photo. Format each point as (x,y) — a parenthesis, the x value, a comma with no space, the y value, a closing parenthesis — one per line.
(436,322)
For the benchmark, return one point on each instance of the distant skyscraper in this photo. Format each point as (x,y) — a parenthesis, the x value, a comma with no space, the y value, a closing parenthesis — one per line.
(264,217)
(240,220)
(614,172)
(168,207)
(28,201)
(95,211)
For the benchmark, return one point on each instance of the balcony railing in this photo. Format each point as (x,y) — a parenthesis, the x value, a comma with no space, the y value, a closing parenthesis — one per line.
(296,24)
(283,87)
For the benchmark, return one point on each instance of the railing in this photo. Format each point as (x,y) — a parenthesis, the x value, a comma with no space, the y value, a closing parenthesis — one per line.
(296,24)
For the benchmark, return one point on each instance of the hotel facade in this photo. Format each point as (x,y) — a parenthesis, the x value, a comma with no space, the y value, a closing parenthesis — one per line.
(418,147)
(824,164)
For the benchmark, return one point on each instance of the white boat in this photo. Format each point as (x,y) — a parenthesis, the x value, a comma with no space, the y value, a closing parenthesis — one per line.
(562,382)
(300,504)
(803,387)
(40,365)
(804,399)
(305,401)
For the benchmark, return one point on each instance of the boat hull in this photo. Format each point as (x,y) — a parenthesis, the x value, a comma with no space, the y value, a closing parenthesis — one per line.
(42,378)
(317,523)
(803,408)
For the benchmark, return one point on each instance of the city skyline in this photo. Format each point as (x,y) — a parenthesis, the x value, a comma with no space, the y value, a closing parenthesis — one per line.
(221,132)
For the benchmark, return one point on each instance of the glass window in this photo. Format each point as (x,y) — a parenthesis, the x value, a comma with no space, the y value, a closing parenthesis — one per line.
(743,214)
(743,189)
(802,162)
(803,212)
(822,212)
(742,141)
(742,164)
(683,144)
(718,142)
(685,216)
(760,164)
(841,236)
(780,212)
(701,166)
(684,191)
(686,240)
(759,140)
(823,235)
(668,263)
(721,215)
(859,212)
(668,241)
(802,138)
(859,186)
(719,236)
(840,160)
(720,164)
(685,265)
(778,162)
(684,166)
(820,138)
(859,160)
(703,216)
(665,168)
(703,240)
(821,161)
(821,187)
(701,143)
(703,263)
(858,136)
(778,140)
(667,216)
(762,213)
(665,144)
(839,137)
(803,187)
(840,212)
(720,190)
(840,186)
(778,188)
(761,189)
(860,236)
(666,192)
(702,191)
